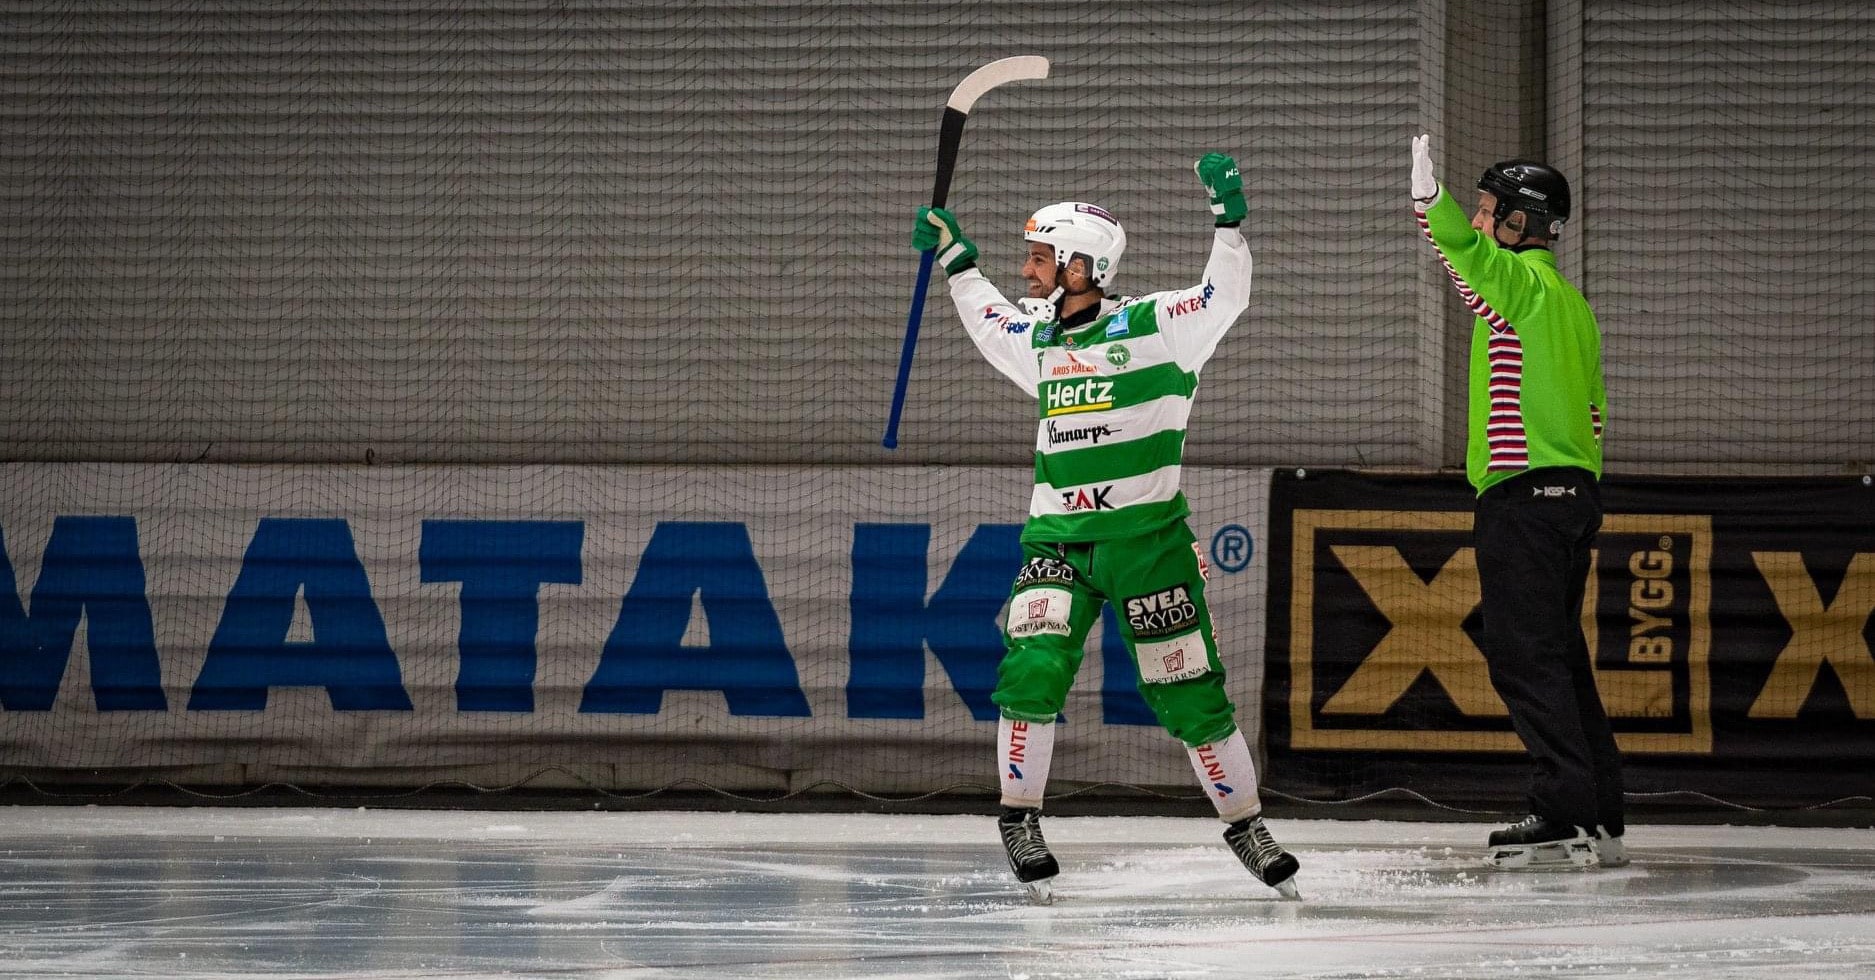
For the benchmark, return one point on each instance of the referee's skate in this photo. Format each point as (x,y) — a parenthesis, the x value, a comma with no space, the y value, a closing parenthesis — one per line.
(1538,843)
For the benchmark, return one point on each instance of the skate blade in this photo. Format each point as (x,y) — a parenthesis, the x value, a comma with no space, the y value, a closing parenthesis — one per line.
(1040,892)
(1287,889)
(1558,856)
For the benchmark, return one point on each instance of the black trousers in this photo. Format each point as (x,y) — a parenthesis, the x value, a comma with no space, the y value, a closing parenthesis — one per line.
(1533,533)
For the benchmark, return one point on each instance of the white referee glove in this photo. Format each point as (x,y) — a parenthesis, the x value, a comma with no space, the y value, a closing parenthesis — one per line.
(1425,186)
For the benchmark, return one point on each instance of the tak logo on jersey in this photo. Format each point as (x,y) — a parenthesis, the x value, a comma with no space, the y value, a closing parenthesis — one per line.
(1087,498)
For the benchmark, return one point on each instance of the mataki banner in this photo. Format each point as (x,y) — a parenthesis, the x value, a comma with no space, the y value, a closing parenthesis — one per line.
(743,629)
(1729,622)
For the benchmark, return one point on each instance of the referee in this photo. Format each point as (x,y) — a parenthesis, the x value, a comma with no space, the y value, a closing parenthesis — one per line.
(1534,454)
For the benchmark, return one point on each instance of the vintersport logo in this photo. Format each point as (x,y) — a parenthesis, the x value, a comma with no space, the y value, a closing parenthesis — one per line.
(1192,304)
(1018,747)
(1214,771)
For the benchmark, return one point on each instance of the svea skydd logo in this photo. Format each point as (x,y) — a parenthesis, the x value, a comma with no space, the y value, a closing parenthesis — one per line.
(1385,631)
(1168,612)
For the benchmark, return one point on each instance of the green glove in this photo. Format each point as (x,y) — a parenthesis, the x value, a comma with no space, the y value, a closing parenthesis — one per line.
(936,230)
(1225,185)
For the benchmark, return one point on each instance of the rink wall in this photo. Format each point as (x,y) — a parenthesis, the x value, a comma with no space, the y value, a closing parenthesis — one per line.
(1729,622)
(763,631)
(744,629)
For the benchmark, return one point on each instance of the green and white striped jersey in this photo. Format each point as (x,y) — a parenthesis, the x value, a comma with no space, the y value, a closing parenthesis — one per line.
(1113,395)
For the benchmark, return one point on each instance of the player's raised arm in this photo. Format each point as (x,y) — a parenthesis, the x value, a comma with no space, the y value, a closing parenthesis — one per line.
(998,327)
(1195,318)
(1493,282)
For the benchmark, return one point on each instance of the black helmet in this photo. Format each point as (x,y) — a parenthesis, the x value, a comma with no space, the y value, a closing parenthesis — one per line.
(1534,188)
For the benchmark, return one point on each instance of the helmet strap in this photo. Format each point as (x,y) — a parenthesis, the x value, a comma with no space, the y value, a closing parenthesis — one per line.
(1054,299)
(1526,237)
(1509,222)
(1087,264)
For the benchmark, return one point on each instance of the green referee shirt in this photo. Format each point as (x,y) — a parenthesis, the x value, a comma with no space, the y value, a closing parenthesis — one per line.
(1537,397)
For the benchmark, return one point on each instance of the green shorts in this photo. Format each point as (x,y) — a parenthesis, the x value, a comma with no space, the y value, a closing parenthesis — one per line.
(1155,582)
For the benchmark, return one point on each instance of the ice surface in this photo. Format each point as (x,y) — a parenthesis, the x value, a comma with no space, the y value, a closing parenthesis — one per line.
(210,893)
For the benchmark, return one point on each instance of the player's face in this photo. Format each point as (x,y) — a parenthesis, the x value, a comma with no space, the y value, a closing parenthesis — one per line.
(1038,269)
(1481,219)
(1510,232)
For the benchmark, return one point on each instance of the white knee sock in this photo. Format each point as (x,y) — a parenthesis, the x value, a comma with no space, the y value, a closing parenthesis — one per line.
(1024,750)
(1229,775)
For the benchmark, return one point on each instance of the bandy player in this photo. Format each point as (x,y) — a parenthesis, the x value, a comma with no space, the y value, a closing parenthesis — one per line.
(1114,379)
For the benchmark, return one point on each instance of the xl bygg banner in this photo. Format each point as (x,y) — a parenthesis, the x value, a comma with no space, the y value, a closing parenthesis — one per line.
(1728,621)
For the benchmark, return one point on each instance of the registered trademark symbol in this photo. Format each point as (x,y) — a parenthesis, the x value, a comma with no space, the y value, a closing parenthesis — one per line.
(1666,543)
(1231,548)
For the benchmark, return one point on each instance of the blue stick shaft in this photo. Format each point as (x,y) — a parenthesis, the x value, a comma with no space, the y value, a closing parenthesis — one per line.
(911,343)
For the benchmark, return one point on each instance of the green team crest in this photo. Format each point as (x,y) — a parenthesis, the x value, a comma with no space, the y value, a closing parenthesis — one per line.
(1118,355)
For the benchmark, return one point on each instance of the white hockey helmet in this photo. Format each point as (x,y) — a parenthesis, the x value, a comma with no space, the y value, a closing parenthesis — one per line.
(1073,228)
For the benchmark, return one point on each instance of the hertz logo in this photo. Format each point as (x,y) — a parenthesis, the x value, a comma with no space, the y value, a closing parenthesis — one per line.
(1067,398)
(1384,611)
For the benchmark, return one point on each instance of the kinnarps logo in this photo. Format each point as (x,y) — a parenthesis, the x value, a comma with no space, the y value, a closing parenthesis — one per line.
(1384,643)
(1090,434)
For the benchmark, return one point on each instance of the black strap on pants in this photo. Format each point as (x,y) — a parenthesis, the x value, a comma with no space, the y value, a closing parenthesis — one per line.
(1533,533)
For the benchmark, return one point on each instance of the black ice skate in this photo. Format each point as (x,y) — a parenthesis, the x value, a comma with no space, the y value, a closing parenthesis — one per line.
(1029,858)
(1259,852)
(1540,843)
